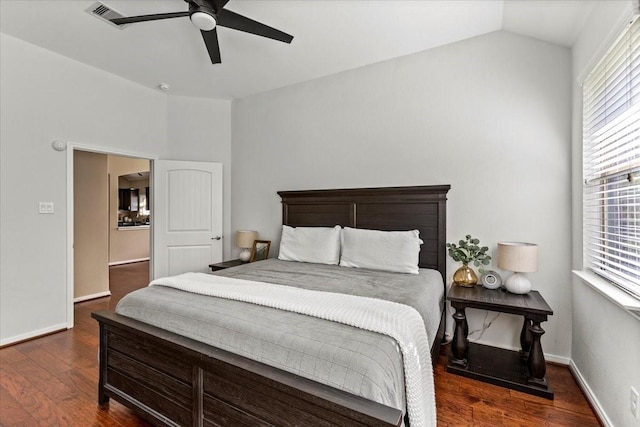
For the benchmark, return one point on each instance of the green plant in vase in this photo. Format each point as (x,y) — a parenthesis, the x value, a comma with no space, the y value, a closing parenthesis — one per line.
(467,251)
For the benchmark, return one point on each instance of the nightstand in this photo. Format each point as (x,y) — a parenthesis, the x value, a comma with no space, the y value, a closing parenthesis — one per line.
(522,370)
(226,264)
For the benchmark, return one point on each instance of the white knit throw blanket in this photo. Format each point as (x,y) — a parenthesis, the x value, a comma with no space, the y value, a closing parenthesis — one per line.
(399,321)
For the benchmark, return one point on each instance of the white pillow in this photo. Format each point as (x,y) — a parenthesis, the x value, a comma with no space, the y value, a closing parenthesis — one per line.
(395,251)
(320,245)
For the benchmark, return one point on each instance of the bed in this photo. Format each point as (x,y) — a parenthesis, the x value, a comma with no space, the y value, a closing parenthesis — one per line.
(171,379)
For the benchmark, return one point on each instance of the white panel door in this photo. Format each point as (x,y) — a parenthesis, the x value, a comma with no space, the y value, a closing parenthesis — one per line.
(186,216)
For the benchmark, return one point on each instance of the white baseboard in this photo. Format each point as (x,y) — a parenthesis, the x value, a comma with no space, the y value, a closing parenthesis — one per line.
(33,334)
(129,261)
(560,360)
(602,416)
(92,296)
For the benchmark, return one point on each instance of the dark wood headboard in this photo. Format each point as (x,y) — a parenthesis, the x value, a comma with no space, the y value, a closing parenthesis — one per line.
(422,208)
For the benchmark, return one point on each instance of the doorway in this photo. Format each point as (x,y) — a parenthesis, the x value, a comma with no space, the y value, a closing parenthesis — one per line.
(112,218)
(185,235)
(101,231)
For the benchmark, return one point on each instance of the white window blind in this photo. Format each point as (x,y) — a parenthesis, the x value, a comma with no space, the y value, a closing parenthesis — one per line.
(611,163)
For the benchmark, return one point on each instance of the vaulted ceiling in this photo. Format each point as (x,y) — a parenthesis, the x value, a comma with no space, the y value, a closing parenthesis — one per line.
(330,36)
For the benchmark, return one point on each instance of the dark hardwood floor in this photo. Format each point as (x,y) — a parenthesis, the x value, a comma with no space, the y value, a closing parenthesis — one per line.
(52,381)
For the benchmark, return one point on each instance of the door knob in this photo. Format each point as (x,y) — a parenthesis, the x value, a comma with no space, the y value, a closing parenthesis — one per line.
(216,238)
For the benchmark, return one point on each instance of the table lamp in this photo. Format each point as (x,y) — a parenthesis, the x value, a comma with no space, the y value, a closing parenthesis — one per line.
(520,258)
(244,240)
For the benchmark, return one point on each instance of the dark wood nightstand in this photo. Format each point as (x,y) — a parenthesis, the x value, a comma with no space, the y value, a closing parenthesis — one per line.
(226,264)
(522,370)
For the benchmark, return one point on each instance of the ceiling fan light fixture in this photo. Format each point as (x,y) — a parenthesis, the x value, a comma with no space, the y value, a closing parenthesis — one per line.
(203,20)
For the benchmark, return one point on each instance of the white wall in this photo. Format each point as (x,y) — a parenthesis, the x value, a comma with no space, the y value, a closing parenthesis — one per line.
(200,129)
(489,115)
(45,96)
(605,342)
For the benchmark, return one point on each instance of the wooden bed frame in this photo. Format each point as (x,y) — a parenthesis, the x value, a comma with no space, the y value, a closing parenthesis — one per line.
(172,380)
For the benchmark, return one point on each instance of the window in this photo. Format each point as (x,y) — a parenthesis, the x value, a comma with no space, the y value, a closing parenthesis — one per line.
(611,163)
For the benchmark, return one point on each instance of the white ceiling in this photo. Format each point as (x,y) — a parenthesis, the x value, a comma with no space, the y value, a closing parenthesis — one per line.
(330,36)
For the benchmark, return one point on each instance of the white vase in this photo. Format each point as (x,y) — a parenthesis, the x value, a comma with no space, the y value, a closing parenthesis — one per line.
(518,283)
(245,255)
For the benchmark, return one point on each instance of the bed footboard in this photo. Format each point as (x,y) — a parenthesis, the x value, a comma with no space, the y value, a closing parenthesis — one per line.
(172,380)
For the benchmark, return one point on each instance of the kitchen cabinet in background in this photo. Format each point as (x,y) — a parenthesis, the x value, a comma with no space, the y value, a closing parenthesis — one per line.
(128,199)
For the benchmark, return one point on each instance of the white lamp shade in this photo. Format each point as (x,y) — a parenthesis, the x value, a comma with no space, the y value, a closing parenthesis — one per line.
(245,238)
(518,256)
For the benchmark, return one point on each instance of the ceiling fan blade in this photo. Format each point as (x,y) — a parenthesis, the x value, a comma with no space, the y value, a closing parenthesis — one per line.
(143,18)
(211,40)
(232,20)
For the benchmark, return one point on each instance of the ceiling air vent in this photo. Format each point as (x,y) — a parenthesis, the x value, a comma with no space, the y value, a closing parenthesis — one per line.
(105,14)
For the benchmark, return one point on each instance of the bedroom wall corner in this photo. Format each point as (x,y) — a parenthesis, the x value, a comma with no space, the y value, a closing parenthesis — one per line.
(199,129)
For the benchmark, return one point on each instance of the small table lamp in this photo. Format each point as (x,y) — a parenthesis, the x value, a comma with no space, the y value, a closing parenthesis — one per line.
(520,258)
(244,240)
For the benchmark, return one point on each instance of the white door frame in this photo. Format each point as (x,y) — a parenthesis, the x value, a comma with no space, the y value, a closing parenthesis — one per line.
(71,147)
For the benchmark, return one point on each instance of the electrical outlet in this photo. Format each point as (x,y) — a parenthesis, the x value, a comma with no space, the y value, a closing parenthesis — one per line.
(635,402)
(45,207)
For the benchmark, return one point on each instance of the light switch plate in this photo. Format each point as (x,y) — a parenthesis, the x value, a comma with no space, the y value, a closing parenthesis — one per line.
(45,208)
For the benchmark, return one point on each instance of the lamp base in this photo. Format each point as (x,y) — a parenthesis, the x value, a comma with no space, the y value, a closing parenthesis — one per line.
(245,255)
(518,283)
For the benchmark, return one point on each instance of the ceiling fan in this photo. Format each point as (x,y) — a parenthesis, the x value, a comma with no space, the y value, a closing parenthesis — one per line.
(206,15)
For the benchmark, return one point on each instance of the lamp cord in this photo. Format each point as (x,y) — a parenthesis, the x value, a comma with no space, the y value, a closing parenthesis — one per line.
(485,324)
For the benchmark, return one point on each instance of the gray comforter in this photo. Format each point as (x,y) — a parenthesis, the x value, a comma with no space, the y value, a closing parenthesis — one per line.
(358,361)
